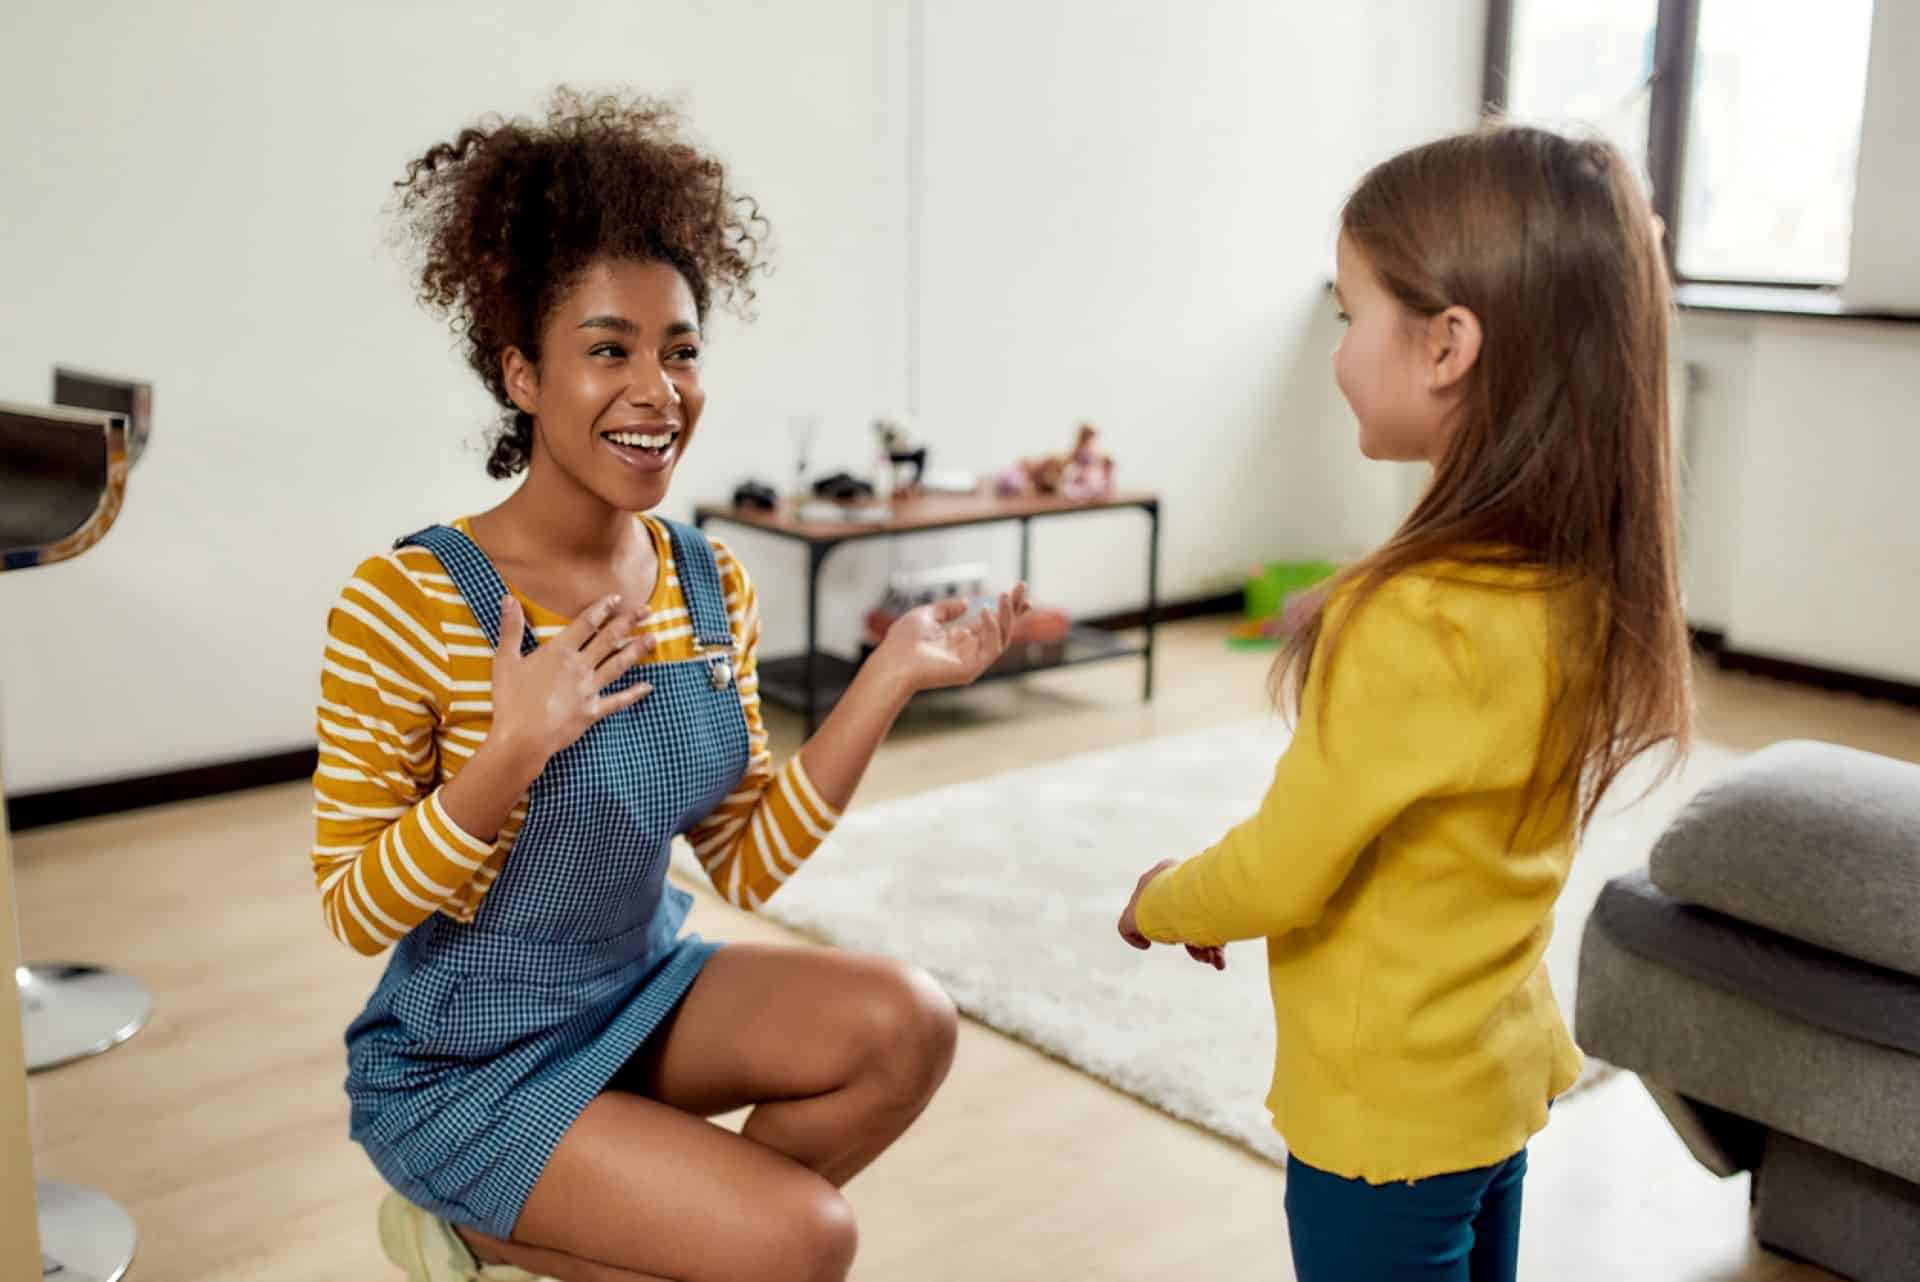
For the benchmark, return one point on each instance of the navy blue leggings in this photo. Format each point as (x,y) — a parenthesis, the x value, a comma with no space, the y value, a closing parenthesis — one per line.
(1463,1227)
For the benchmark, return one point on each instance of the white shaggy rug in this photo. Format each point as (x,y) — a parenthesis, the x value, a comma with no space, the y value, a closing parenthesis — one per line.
(1007,890)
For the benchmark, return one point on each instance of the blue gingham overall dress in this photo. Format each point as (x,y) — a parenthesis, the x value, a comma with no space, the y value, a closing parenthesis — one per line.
(484,1041)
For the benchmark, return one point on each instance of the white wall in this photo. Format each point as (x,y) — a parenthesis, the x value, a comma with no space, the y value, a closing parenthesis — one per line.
(1885,270)
(1123,212)
(1128,216)
(1805,536)
(1715,413)
(193,195)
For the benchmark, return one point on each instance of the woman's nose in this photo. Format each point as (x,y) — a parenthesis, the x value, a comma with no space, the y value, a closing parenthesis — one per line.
(652,388)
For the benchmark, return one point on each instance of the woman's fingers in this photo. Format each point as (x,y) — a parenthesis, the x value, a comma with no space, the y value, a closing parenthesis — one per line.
(992,639)
(615,649)
(513,625)
(606,707)
(945,612)
(576,634)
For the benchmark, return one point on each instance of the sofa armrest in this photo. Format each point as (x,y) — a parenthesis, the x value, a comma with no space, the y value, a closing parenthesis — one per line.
(1812,840)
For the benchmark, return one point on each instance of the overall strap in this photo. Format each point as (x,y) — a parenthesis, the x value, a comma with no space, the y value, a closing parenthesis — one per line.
(473,574)
(700,584)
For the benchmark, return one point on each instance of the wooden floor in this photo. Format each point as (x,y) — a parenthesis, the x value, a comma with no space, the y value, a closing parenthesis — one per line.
(222,1127)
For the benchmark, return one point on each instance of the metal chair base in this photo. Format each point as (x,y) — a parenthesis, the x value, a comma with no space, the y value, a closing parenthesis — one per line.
(71,1012)
(84,1235)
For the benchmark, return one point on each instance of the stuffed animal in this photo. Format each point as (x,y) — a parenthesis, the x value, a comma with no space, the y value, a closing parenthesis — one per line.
(1082,473)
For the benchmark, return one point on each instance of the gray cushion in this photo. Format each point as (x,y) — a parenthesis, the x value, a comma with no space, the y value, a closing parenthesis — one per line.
(1815,841)
(1843,1215)
(1730,1051)
(1817,985)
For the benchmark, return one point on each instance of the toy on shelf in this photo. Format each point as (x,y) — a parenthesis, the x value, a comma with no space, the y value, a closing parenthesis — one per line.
(1280,597)
(897,452)
(754,494)
(1039,636)
(1084,472)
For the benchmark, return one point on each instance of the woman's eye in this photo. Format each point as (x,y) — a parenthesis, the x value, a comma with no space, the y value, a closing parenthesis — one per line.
(684,354)
(609,349)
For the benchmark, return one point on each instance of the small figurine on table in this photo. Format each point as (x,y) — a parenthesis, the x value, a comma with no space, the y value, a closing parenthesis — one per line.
(901,452)
(1083,473)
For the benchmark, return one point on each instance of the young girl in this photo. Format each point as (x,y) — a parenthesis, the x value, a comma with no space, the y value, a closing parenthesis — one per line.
(518,713)
(1464,696)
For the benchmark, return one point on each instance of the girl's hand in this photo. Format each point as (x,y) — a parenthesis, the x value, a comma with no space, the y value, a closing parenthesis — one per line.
(935,646)
(544,701)
(1129,930)
(1215,956)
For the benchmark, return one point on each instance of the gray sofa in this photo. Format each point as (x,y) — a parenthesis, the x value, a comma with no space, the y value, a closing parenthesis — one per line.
(1762,977)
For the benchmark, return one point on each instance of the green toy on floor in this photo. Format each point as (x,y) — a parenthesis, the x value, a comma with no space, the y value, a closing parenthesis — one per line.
(1278,595)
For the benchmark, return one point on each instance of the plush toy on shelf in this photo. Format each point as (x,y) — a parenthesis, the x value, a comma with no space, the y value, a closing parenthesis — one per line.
(1083,473)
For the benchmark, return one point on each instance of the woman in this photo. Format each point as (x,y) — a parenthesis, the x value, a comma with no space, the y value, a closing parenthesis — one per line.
(520,710)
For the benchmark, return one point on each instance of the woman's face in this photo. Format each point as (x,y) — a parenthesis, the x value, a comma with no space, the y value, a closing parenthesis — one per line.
(616,393)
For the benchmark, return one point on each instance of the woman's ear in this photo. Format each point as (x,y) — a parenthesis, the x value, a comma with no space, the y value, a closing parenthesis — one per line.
(1453,347)
(522,379)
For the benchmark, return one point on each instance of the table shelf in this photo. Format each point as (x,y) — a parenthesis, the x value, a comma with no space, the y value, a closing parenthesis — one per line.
(783,680)
(813,687)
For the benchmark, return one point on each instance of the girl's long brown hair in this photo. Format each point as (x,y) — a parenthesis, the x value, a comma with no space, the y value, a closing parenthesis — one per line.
(1560,455)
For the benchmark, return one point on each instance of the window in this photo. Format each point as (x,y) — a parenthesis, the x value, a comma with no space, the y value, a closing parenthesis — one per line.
(1579,65)
(1744,115)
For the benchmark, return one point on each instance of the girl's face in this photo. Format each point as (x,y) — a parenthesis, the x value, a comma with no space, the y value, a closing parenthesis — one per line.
(1385,367)
(616,393)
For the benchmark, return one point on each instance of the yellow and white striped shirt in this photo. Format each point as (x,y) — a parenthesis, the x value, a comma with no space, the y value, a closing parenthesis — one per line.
(405,701)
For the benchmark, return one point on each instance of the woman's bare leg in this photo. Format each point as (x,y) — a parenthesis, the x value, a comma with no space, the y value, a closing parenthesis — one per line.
(837,1054)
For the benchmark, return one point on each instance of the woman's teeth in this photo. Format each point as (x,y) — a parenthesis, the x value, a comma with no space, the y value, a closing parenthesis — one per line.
(636,440)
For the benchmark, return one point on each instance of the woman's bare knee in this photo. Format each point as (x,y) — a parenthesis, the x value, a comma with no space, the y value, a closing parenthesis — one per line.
(811,1235)
(912,1027)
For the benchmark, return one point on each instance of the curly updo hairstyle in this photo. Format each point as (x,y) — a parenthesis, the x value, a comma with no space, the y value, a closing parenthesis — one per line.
(506,216)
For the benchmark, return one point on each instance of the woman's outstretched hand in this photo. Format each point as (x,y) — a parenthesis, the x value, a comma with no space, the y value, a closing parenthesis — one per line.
(936,646)
(1213,955)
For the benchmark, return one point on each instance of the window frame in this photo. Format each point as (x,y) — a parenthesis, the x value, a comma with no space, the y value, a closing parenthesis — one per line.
(1676,35)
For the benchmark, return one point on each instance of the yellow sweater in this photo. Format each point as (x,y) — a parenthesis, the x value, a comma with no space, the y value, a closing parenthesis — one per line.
(405,701)
(1416,1030)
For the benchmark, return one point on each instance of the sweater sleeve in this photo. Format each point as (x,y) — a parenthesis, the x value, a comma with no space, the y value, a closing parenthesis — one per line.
(1394,719)
(775,819)
(386,854)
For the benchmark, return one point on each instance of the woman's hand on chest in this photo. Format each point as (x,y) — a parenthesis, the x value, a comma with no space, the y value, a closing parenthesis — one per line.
(546,699)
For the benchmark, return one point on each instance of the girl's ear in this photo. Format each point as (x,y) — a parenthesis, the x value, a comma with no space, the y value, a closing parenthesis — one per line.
(522,378)
(1453,347)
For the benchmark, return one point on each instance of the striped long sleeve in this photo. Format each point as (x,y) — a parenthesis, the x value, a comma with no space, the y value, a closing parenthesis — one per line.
(386,854)
(768,826)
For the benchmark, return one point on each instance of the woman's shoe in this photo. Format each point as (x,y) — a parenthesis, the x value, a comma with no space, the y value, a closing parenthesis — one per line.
(430,1251)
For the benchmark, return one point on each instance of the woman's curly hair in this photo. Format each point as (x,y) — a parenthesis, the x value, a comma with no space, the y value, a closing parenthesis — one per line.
(507,215)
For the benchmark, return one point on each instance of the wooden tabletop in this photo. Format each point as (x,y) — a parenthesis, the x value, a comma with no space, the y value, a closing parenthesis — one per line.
(921,512)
